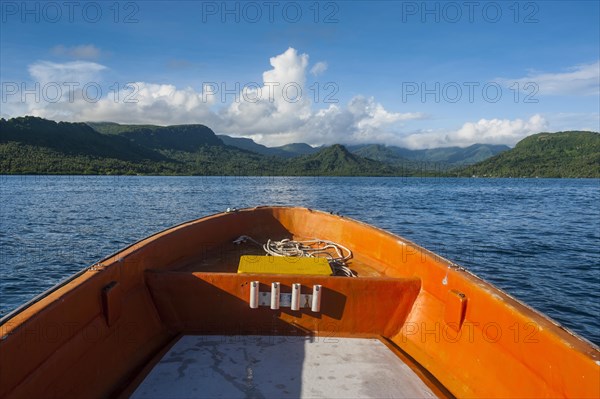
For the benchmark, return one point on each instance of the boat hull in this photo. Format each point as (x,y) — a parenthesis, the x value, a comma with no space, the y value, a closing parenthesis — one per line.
(98,332)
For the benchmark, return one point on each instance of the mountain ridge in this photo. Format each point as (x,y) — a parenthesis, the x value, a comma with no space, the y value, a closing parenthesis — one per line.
(39,146)
(453,156)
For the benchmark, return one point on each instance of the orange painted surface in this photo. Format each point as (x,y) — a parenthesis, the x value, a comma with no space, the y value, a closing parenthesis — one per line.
(92,336)
(202,303)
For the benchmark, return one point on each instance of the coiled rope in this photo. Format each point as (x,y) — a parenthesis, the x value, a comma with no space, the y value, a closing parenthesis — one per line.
(336,254)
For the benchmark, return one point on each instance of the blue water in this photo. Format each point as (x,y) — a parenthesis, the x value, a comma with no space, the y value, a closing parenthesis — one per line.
(538,239)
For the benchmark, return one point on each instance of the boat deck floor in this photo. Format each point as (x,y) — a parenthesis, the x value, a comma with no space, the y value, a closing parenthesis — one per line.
(210,366)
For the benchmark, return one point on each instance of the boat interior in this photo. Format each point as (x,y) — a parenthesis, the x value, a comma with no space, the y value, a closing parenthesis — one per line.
(174,316)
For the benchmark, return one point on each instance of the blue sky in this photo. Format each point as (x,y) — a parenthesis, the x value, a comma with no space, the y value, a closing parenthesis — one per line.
(416,74)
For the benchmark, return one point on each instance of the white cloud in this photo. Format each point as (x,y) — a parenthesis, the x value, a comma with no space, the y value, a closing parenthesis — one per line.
(488,131)
(582,80)
(280,104)
(319,68)
(56,91)
(84,51)
(147,103)
(45,72)
(266,112)
(363,120)
(279,120)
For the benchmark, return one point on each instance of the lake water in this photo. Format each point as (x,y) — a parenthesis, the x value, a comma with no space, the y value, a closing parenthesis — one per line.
(537,239)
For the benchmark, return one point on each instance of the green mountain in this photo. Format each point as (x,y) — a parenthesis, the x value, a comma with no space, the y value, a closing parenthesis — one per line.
(176,137)
(39,146)
(562,154)
(32,145)
(447,156)
(397,156)
(73,139)
(336,160)
(187,138)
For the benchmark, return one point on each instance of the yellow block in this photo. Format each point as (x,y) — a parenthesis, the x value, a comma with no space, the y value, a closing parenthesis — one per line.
(284,265)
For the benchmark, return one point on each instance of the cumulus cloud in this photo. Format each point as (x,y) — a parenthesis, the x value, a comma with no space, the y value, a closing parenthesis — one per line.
(84,51)
(276,111)
(319,68)
(362,120)
(137,102)
(488,131)
(283,117)
(582,80)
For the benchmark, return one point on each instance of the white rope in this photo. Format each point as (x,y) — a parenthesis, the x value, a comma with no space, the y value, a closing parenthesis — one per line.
(336,254)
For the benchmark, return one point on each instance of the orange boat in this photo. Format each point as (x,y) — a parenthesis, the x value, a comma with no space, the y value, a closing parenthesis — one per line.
(198,310)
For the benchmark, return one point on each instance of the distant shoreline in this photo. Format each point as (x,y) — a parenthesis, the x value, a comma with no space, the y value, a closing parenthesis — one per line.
(36,146)
(2,175)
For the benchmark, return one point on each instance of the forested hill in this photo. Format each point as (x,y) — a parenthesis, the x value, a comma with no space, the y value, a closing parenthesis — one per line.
(72,139)
(31,145)
(176,137)
(336,160)
(562,154)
